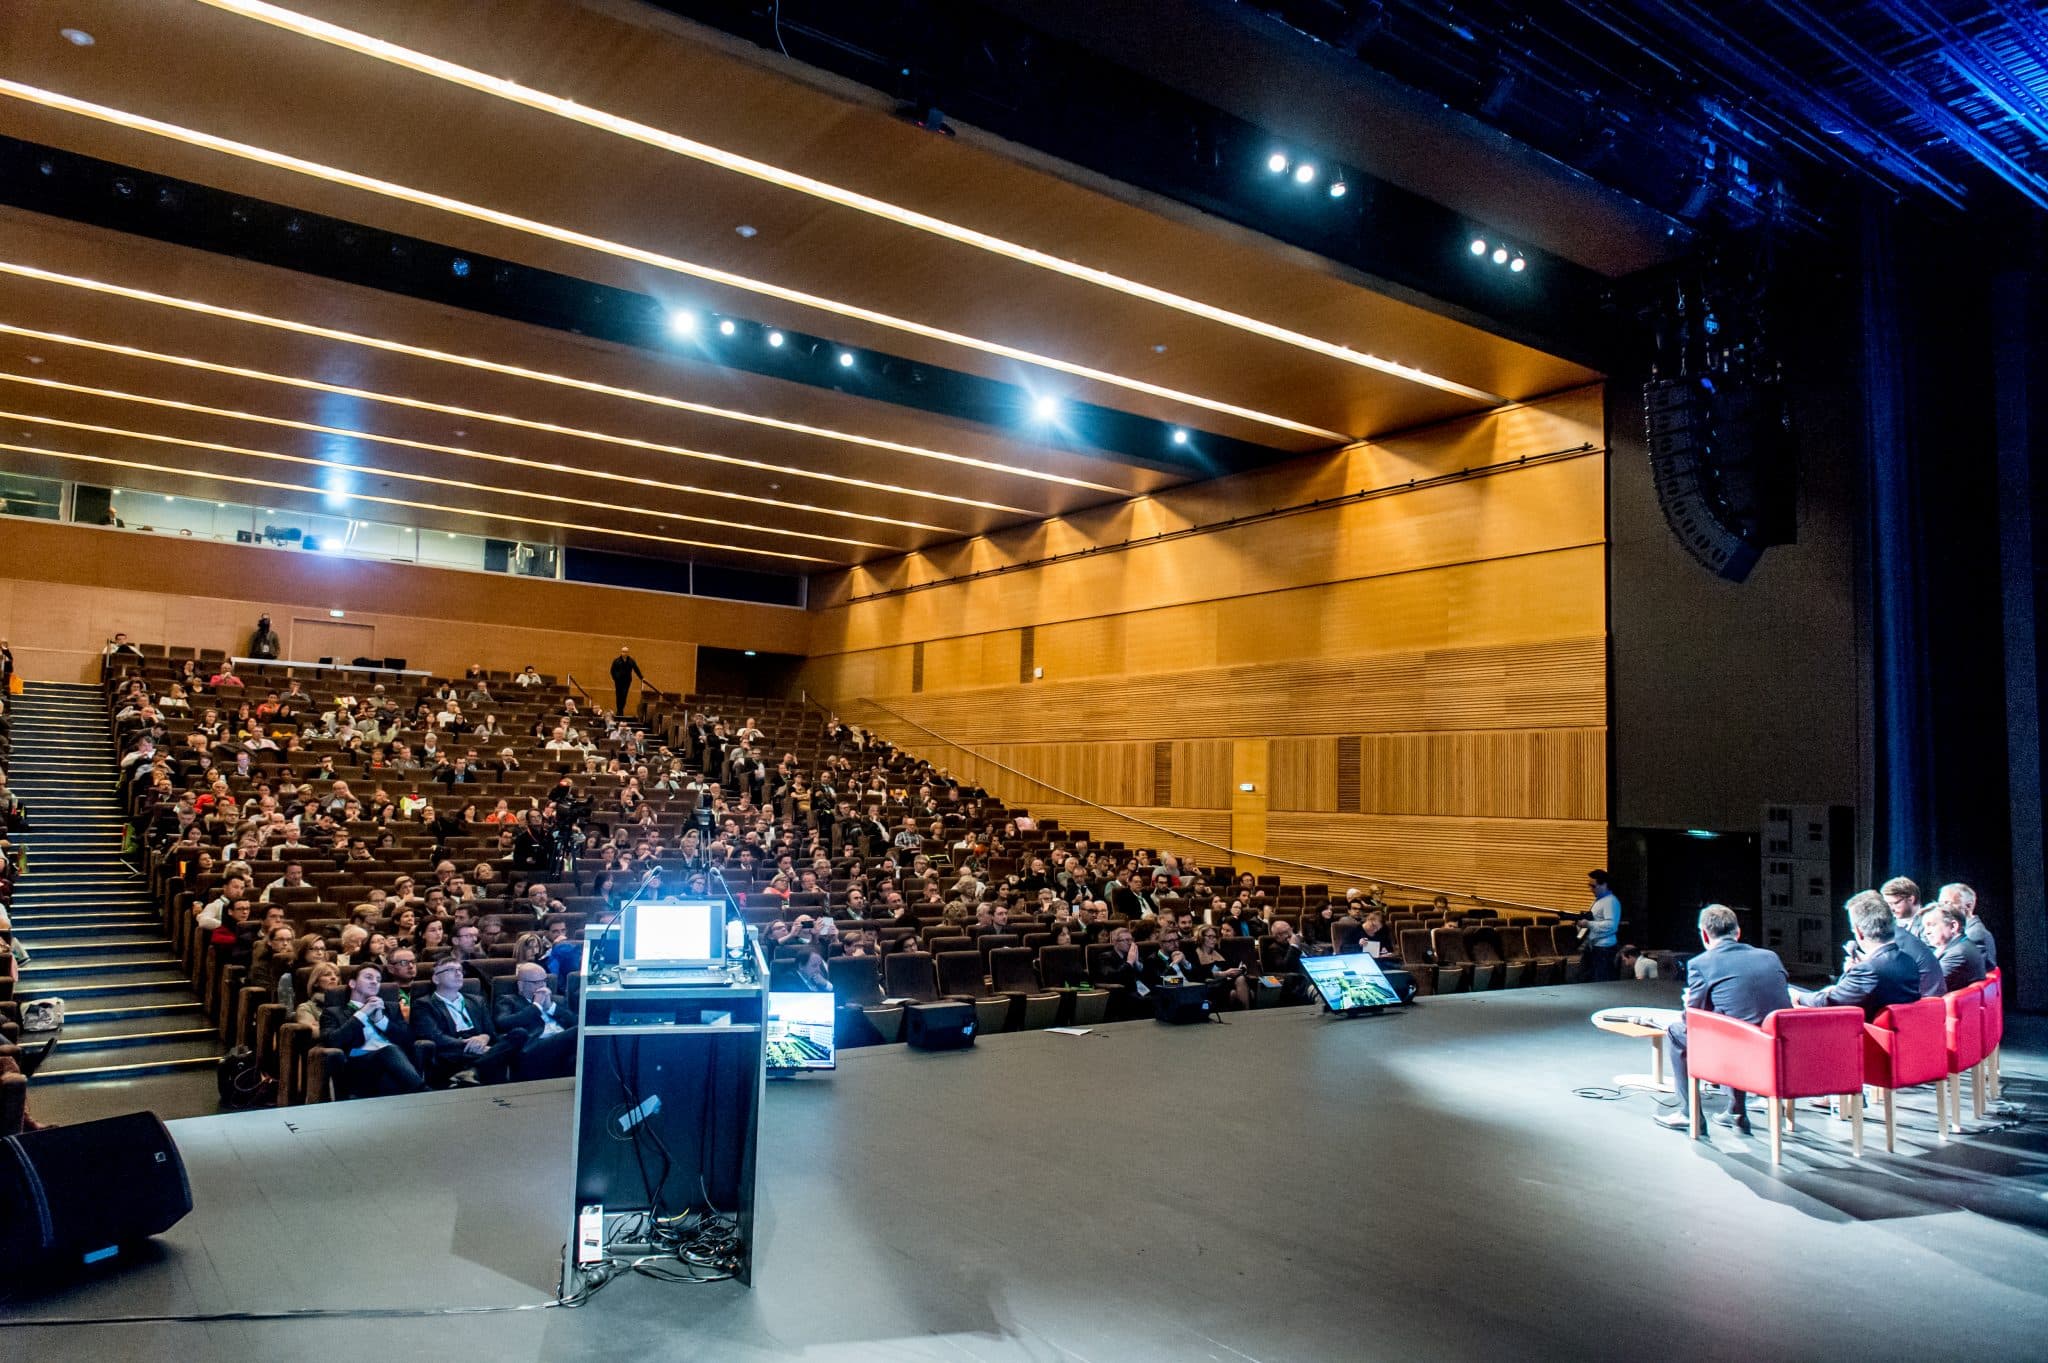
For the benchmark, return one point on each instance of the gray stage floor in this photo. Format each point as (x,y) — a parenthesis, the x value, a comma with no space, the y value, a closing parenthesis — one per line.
(1287,1187)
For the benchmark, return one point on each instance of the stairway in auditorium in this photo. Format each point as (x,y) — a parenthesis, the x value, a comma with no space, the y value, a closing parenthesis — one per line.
(84,911)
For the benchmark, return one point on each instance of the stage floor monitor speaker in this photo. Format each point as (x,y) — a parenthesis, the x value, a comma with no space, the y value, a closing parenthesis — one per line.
(1181,1003)
(939,1026)
(77,1195)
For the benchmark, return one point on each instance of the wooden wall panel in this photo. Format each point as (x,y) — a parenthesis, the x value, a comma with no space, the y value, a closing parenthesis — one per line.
(1414,685)
(67,588)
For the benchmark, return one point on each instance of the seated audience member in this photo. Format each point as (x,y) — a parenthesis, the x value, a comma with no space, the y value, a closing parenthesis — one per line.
(1229,985)
(1377,938)
(810,975)
(355,944)
(467,1047)
(318,982)
(1736,980)
(1124,968)
(404,966)
(1280,954)
(547,1025)
(1961,960)
(1637,966)
(1879,974)
(377,1047)
(1962,897)
(271,959)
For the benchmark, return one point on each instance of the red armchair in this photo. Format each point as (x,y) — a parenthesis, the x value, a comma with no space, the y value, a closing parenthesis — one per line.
(1797,1053)
(1965,1049)
(1906,1046)
(1994,1029)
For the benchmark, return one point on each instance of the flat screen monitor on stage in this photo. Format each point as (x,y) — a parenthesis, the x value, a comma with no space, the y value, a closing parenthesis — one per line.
(1349,983)
(800,1031)
(674,934)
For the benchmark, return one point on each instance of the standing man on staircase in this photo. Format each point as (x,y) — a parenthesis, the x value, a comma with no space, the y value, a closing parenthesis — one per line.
(264,642)
(625,667)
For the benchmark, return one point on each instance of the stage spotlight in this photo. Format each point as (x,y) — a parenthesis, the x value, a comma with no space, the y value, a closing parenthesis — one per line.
(1180,437)
(1338,189)
(846,359)
(1277,163)
(683,323)
(1500,255)
(77,37)
(1045,408)
(1518,265)
(775,339)
(727,327)
(1304,174)
(1478,246)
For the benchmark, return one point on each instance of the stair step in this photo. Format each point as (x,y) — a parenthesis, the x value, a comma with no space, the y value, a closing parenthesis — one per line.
(113,1033)
(51,978)
(140,1004)
(114,951)
(40,937)
(105,985)
(84,1066)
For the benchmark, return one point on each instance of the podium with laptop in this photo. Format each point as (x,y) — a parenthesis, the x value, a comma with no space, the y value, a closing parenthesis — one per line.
(672,1035)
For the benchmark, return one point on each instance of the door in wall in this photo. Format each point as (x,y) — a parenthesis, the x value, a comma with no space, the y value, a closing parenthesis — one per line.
(312,640)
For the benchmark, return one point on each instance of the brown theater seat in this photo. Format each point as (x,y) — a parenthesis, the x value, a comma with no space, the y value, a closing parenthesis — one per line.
(908,975)
(960,977)
(1010,973)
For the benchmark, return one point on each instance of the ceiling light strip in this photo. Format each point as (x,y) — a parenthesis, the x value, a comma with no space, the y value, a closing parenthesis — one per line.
(461,452)
(242,481)
(426,199)
(421,404)
(369,471)
(444,70)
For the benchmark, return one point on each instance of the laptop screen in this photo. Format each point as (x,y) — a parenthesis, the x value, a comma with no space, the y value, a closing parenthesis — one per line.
(672,934)
(1348,982)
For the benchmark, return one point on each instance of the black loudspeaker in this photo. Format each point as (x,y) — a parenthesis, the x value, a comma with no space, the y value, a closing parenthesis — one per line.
(1179,1003)
(77,1195)
(939,1026)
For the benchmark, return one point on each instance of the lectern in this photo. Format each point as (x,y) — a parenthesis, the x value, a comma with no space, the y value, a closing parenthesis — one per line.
(668,1103)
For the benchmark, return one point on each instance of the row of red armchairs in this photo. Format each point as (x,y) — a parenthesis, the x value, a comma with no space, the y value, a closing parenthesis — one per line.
(1834,1052)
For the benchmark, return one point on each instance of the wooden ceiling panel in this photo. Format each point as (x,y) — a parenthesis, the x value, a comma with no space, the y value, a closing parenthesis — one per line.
(242,79)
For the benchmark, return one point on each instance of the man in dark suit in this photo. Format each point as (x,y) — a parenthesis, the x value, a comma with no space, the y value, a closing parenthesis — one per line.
(1124,967)
(1880,974)
(546,1023)
(377,1043)
(1735,980)
(1961,960)
(1133,899)
(1963,900)
(467,1047)
(1280,954)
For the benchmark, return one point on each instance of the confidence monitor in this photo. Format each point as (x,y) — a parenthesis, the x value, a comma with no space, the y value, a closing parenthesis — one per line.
(1350,984)
(800,1032)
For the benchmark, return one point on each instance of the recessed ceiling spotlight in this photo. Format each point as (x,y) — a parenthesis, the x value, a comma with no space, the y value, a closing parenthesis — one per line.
(846,359)
(747,229)
(1045,407)
(1277,162)
(1159,349)
(727,327)
(1500,255)
(1518,265)
(1478,246)
(77,37)
(1304,174)
(683,322)
(775,339)
(1338,189)
(1180,437)
(35,359)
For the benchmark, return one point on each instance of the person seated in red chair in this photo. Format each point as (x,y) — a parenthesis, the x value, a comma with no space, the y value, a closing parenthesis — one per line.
(1879,974)
(1731,978)
(467,1047)
(1960,958)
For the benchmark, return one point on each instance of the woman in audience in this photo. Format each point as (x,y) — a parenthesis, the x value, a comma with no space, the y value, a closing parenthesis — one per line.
(433,940)
(405,924)
(531,946)
(501,813)
(318,981)
(1229,986)
(271,960)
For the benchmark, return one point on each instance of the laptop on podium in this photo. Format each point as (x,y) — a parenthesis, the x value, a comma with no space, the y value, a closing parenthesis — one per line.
(677,943)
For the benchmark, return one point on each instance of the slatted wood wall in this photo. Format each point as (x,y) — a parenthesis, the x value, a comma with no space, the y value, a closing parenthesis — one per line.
(1417,682)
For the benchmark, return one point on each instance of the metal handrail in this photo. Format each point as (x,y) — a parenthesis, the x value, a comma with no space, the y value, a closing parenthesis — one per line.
(1346,874)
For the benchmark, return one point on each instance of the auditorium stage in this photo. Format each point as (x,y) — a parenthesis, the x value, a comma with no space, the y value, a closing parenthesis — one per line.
(1288,1187)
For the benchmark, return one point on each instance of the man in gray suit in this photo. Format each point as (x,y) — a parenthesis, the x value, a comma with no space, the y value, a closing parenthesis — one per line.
(1961,897)
(1962,964)
(1731,978)
(1879,973)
